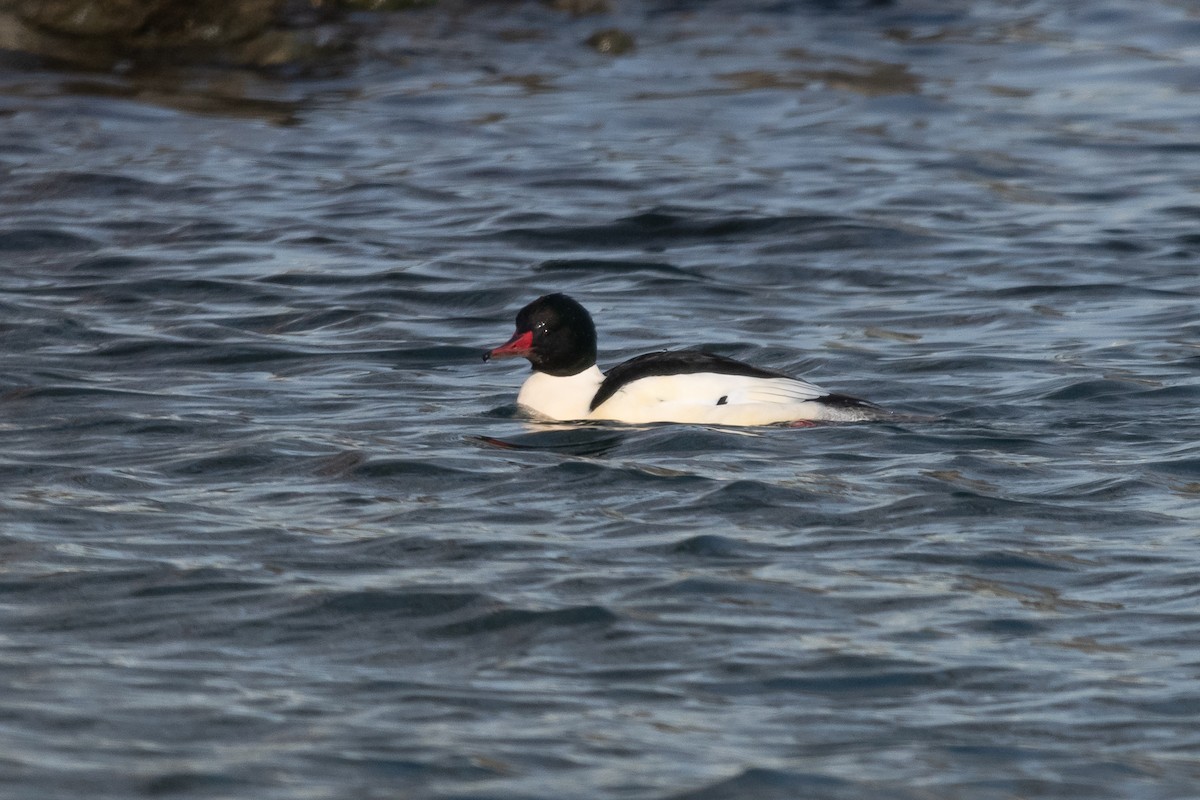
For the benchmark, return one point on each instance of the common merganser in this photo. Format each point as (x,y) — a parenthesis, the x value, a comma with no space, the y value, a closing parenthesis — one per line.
(558,337)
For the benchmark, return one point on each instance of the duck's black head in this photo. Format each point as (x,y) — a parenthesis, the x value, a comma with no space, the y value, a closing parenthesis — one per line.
(555,333)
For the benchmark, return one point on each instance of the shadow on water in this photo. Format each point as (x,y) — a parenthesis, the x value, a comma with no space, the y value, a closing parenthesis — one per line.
(231,92)
(577,441)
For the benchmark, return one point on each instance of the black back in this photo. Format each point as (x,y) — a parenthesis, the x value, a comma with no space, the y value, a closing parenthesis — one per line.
(675,362)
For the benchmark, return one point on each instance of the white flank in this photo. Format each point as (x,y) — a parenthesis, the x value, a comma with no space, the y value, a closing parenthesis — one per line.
(690,398)
(694,398)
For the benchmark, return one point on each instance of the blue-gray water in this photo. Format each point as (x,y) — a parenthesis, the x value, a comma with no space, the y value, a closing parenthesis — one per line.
(255,542)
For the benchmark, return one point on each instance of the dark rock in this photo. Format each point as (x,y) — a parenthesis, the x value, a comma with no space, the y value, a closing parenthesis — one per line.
(100,33)
(150,23)
(83,17)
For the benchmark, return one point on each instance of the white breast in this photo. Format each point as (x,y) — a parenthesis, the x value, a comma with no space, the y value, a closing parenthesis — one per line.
(558,398)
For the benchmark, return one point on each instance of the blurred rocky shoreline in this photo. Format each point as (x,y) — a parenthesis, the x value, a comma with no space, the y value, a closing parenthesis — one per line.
(101,33)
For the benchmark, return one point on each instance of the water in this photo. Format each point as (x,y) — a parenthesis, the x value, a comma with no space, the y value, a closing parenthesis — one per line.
(271,528)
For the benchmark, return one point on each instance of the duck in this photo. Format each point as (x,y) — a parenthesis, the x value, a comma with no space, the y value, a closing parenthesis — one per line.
(558,337)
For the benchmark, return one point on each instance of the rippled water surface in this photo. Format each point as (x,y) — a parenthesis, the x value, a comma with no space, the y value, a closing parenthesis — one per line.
(271,528)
